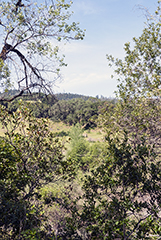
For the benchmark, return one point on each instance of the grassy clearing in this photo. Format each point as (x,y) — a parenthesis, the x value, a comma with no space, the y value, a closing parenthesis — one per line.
(58,126)
(94,135)
(2,130)
(91,135)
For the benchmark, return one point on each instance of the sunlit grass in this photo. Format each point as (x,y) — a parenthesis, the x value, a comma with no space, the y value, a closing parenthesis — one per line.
(2,130)
(91,135)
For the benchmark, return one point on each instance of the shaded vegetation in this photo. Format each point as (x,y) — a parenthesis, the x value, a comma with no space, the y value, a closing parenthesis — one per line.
(82,110)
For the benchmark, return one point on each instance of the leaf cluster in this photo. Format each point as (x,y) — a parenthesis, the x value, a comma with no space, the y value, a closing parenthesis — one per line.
(30,158)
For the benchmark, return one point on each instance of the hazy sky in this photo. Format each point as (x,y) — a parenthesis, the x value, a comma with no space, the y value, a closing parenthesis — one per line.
(109,25)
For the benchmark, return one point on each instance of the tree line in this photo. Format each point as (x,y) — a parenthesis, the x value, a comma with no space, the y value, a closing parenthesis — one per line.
(84,110)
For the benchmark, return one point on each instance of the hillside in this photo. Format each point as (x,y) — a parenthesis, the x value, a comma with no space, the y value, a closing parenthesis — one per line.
(58,96)
(69,96)
(66,107)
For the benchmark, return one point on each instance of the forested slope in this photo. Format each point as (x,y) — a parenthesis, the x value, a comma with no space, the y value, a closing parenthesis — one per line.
(71,109)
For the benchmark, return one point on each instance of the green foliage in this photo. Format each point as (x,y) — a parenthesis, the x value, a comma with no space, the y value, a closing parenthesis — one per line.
(30,158)
(69,96)
(84,155)
(140,70)
(138,110)
(4,74)
(121,196)
(96,151)
(77,111)
(40,103)
(70,112)
(79,147)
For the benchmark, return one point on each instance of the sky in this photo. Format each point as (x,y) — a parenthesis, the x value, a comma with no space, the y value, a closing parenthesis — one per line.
(109,25)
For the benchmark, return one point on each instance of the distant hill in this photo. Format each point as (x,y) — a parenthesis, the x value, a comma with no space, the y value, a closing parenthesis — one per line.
(69,96)
(66,107)
(59,96)
(9,93)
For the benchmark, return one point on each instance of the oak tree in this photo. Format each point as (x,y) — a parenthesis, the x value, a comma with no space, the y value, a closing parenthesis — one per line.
(30,36)
(30,157)
(139,86)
